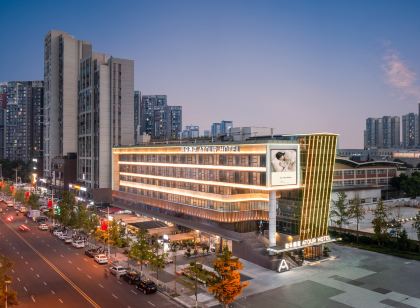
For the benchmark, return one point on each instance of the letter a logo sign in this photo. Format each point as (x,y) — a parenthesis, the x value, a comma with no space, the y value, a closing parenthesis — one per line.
(283,267)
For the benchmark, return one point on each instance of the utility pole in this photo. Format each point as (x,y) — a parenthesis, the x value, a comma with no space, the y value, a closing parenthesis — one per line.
(1,172)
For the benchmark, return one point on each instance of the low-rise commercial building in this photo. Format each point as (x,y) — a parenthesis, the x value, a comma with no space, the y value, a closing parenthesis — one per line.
(281,184)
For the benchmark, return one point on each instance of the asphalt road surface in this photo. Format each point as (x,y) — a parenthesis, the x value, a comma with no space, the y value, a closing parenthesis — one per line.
(49,273)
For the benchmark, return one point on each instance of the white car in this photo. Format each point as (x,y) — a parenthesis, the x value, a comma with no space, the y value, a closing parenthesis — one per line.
(101,258)
(57,232)
(43,227)
(62,236)
(78,244)
(118,270)
(68,240)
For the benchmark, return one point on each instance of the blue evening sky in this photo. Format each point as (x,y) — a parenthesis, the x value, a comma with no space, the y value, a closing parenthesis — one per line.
(297,66)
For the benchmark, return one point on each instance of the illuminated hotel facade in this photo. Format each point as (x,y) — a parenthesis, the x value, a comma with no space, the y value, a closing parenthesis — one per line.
(284,183)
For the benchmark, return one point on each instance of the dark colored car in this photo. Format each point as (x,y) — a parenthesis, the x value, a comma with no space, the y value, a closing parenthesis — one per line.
(131,277)
(93,252)
(146,286)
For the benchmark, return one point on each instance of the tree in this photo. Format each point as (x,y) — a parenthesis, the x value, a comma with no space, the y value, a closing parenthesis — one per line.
(380,222)
(340,210)
(357,212)
(226,285)
(33,201)
(157,261)
(67,205)
(20,195)
(5,266)
(140,251)
(416,225)
(403,242)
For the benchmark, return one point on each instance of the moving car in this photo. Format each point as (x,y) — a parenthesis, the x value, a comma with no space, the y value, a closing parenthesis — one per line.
(101,258)
(43,227)
(24,228)
(131,277)
(118,270)
(146,286)
(78,244)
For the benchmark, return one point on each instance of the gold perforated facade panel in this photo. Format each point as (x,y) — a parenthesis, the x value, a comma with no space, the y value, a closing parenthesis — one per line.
(317,165)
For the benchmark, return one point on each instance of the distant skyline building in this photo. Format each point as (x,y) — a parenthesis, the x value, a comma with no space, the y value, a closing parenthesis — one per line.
(382,132)
(3,110)
(215,130)
(147,108)
(410,130)
(62,55)
(23,121)
(137,102)
(157,119)
(221,129)
(191,132)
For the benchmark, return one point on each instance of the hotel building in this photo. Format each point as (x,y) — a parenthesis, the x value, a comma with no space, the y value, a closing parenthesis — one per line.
(282,184)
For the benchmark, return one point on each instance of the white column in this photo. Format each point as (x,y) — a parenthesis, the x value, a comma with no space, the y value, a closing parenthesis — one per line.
(272,219)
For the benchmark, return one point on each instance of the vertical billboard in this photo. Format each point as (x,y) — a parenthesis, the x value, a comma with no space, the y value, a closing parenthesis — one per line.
(283,164)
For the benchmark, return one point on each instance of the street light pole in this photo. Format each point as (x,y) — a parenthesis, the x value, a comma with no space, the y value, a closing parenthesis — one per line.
(107,228)
(5,297)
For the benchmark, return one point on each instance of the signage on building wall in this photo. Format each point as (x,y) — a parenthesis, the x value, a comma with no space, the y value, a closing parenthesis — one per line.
(283,267)
(283,165)
(211,149)
(308,242)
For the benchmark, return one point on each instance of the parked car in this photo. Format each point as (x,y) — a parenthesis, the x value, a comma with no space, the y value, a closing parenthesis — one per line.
(43,227)
(62,236)
(131,277)
(118,270)
(68,240)
(146,286)
(78,244)
(93,252)
(101,258)
(23,209)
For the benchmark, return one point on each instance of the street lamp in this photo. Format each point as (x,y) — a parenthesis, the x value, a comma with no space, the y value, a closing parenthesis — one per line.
(5,298)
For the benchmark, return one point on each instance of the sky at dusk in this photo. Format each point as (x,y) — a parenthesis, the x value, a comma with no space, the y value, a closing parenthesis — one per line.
(297,66)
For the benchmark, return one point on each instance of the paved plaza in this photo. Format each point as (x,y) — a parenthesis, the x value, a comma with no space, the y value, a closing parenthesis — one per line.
(357,278)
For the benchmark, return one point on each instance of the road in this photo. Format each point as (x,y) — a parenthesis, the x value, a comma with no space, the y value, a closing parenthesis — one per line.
(49,272)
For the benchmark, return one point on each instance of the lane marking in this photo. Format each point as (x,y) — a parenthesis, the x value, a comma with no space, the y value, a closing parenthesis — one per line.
(68,280)
(70,261)
(60,300)
(25,289)
(13,271)
(37,275)
(101,285)
(134,292)
(33,298)
(62,256)
(18,279)
(88,276)
(45,284)
(150,303)
(32,269)
(52,291)
(119,282)
(21,257)
(114,296)
(79,269)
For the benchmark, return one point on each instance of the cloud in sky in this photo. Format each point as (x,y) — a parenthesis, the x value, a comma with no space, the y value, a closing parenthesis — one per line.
(399,76)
